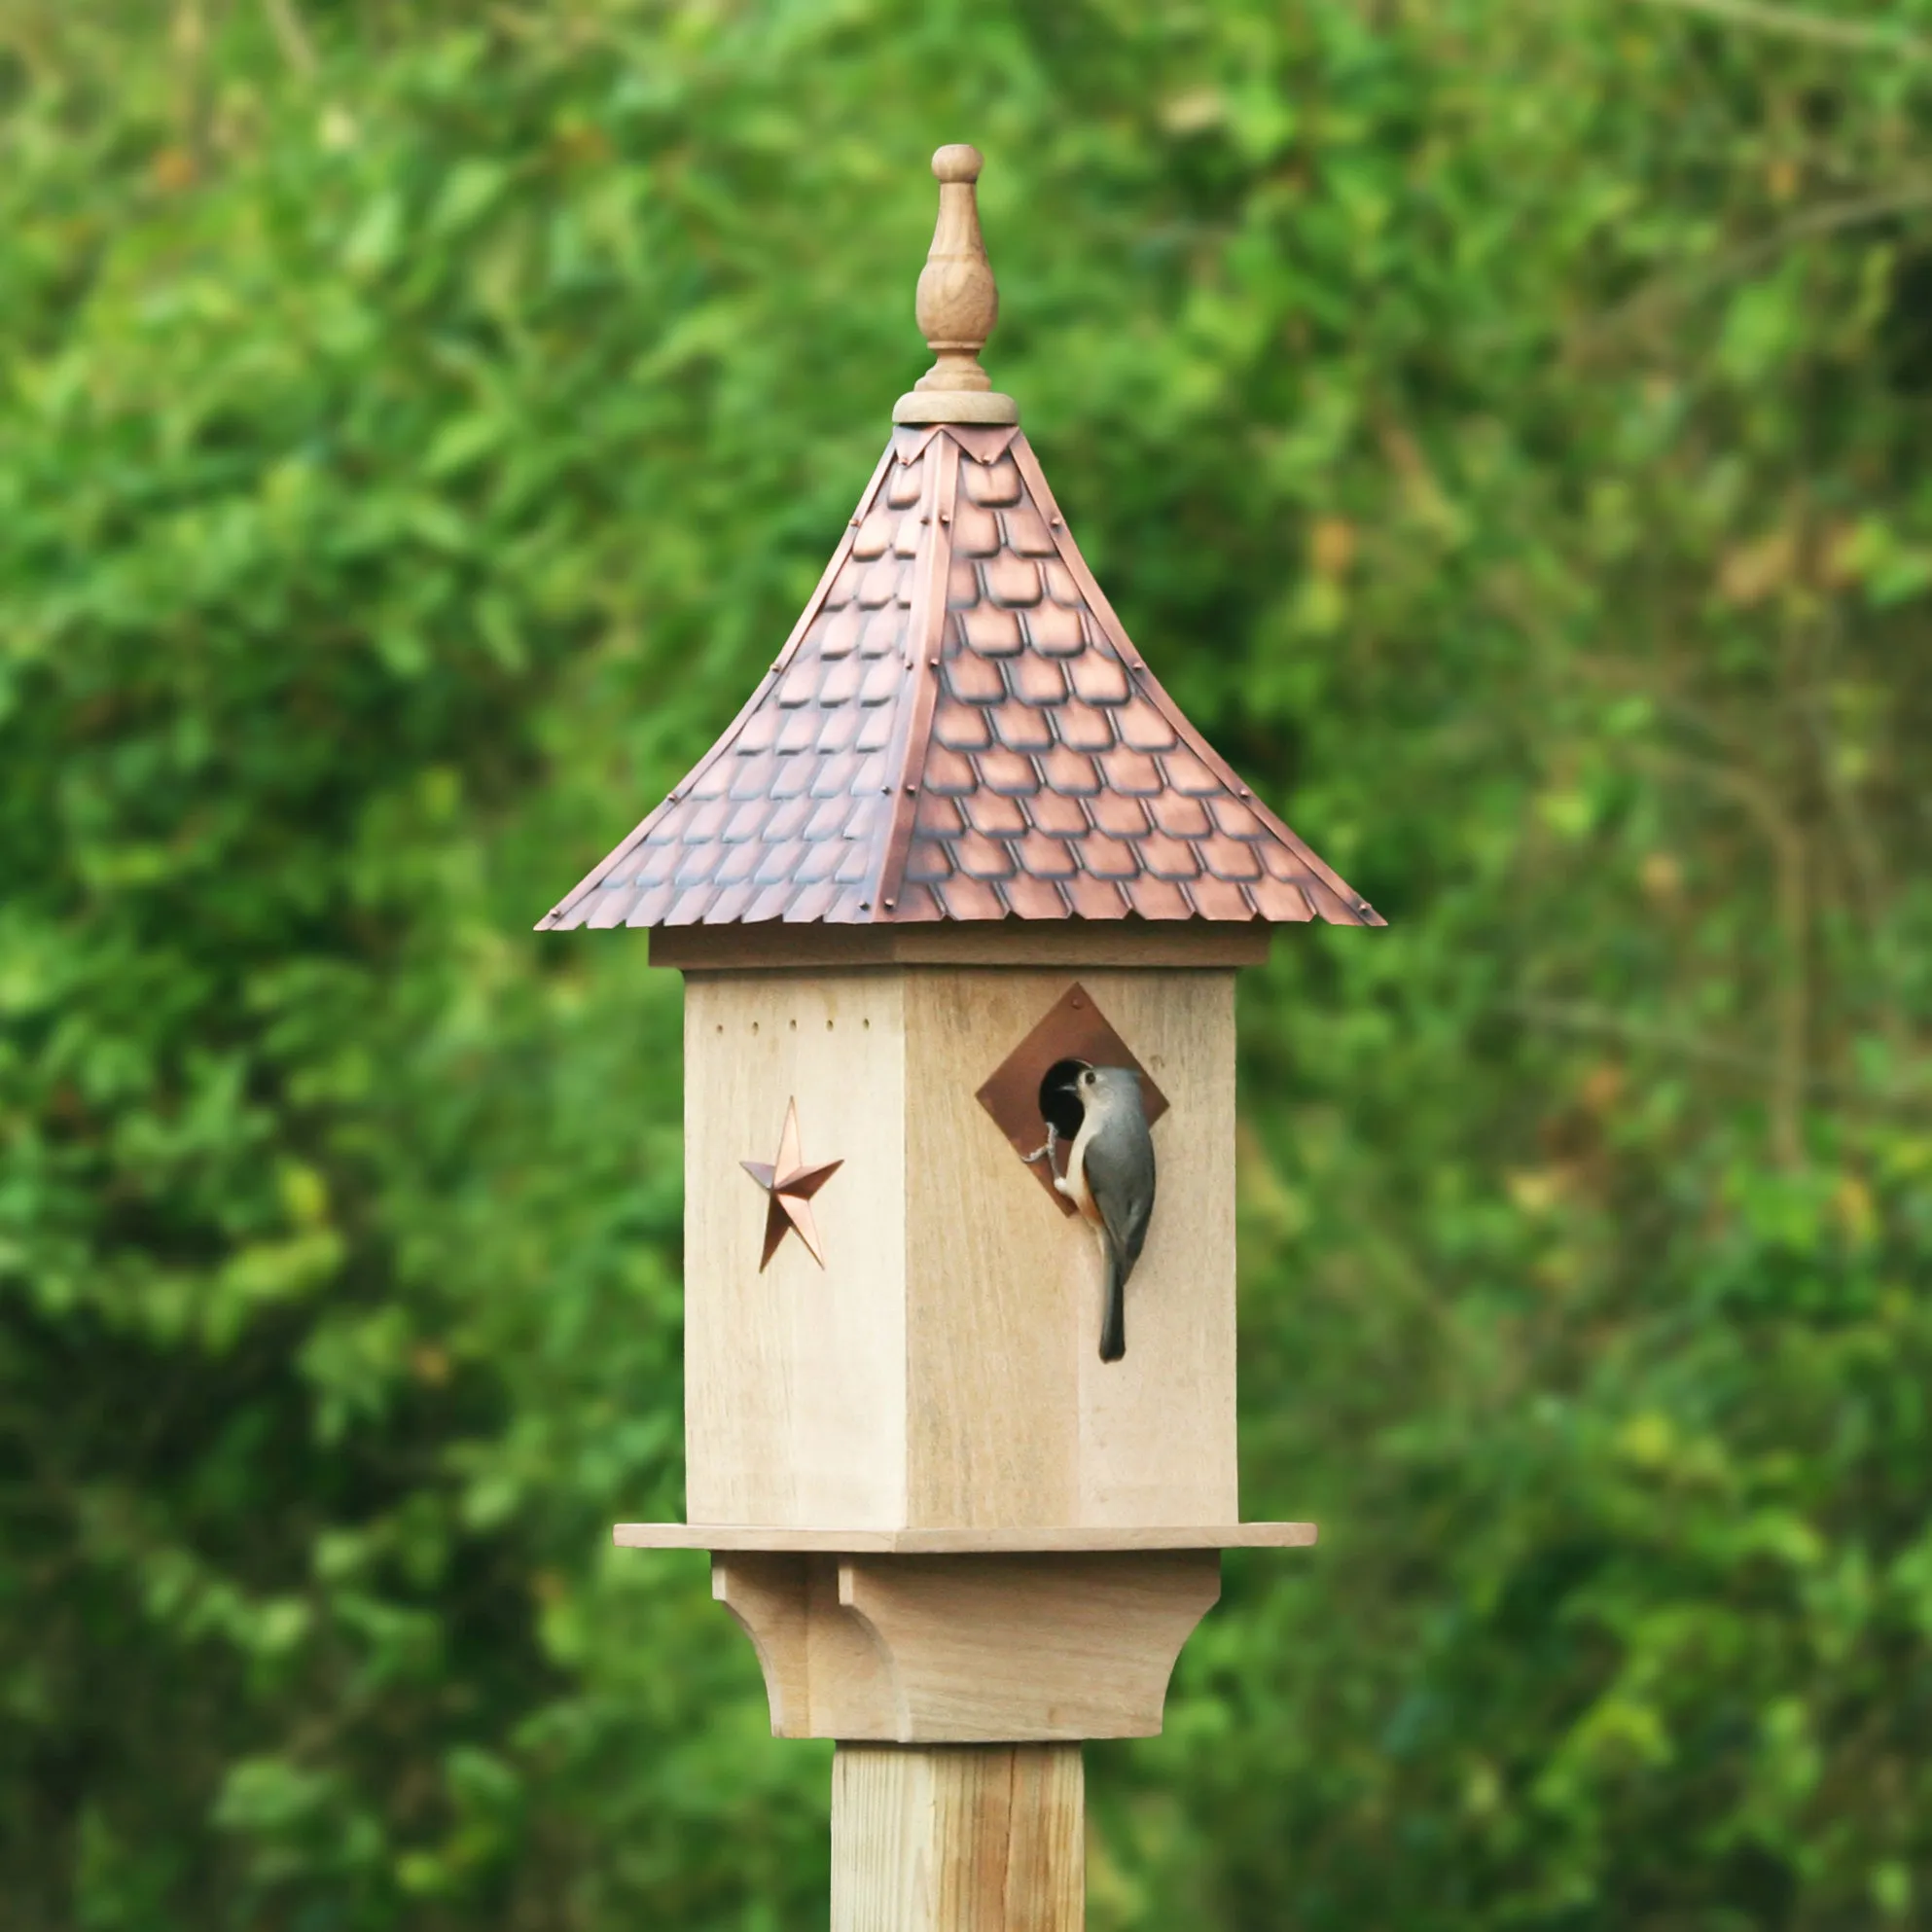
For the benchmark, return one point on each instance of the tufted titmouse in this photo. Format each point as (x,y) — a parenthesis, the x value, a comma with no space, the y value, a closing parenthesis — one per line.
(1110,1178)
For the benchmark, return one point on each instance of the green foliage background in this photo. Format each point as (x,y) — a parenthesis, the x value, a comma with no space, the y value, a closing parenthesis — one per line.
(1504,425)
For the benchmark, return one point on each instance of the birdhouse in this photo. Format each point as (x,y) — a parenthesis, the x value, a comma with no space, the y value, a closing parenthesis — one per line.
(957,852)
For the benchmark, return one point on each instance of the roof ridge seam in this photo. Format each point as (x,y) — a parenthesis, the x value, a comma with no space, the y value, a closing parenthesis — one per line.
(914,446)
(925,639)
(841,551)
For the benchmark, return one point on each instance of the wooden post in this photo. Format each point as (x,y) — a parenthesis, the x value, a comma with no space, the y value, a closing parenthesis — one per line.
(958,1838)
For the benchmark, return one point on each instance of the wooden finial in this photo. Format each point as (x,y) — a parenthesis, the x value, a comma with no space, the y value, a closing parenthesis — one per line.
(959,303)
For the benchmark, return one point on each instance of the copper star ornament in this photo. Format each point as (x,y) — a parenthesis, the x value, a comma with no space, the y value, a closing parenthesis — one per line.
(790,1185)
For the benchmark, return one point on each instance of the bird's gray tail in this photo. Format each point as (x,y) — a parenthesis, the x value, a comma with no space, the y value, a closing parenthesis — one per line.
(1113,1322)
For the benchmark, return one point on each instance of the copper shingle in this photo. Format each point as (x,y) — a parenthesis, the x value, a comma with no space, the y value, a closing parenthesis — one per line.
(999,749)
(958,727)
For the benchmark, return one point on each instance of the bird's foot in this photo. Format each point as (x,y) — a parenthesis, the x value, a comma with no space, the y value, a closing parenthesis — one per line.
(1046,1154)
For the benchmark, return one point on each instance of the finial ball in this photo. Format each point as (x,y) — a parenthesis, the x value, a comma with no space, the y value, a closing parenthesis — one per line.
(957,163)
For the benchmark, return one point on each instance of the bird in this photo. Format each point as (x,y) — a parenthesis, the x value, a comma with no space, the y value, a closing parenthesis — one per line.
(1110,1178)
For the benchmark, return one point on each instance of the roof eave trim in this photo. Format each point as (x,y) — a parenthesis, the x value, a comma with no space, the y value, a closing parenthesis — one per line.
(925,647)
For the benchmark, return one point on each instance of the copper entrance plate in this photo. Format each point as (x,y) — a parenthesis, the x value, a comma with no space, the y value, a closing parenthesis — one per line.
(1074,1029)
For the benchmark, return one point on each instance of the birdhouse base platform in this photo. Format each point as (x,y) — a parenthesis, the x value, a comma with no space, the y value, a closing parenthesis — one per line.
(1007,1540)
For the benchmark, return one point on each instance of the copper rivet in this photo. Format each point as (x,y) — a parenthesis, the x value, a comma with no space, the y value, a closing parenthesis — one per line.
(888,905)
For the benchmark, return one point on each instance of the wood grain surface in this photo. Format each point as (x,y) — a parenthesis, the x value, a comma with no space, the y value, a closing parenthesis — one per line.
(958,1839)
(795,1377)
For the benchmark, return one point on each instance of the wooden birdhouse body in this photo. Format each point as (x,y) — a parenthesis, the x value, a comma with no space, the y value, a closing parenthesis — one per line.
(941,1368)
(959,872)
(958,796)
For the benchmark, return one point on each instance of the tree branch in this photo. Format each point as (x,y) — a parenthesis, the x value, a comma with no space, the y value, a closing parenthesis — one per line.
(1793,24)
(1786,839)
(1585,1017)
(1656,297)
(290,36)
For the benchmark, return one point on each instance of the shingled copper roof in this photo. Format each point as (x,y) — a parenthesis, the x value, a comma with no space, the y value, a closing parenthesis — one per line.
(958,727)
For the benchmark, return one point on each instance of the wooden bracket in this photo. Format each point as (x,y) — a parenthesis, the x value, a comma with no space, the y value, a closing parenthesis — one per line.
(1035,1648)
